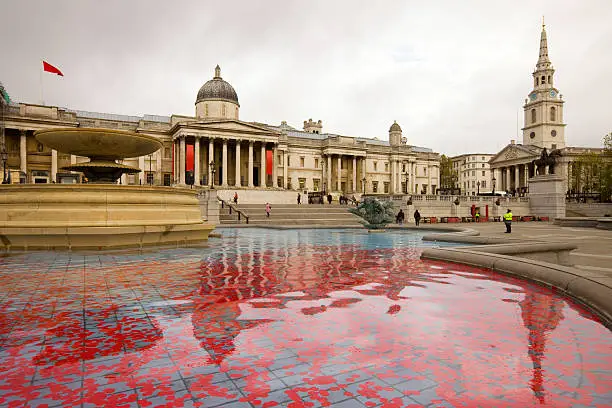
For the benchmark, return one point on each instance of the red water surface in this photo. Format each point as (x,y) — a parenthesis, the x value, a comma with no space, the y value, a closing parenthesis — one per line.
(325,325)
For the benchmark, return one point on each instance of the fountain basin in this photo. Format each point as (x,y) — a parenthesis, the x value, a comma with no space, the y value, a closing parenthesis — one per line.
(99,144)
(98,216)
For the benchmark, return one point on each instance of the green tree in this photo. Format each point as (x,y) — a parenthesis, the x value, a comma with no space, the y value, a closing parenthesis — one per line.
(448,176)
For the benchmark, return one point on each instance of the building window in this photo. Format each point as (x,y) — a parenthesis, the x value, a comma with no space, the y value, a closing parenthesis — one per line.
(316,163)
(553,114)
(403,167)
(425,171)
(289,183)
(533,116)
(386,184)
(473,184)
(375,186)
(279,180)
(483,173)
(532,135)
(474,158)
(553,133)
(167,153)
(288,161)
(543,81)
(483,159)
(483,165)
(167,179)
(386,167)
(424,190)
(549,80)
(553,146)
(302,182)
(315,184)
(375,166)
(302,161)
(473,173)
(483,184)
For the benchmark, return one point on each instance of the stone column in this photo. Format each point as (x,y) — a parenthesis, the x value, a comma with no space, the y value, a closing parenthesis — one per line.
(526,174)
(23,153)
(53,165)
(251,164)
(285,169)
(364,170)
(238,183)
(517,177)
(508,179)
(224,170)
(174,161)
(338,182)
(354,174)
(196,162)
(141,176)
(413,177)
(392,189)
(181,160)
(329,172)
(158,166)
(275,166)
(211,158)
(262,166)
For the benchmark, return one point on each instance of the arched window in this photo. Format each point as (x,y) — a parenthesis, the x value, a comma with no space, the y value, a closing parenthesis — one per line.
(536,81)
(533,116)
(549,80)
(553,114)
(543,79)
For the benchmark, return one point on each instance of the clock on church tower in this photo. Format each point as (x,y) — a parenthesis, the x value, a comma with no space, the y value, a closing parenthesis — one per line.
(543,108)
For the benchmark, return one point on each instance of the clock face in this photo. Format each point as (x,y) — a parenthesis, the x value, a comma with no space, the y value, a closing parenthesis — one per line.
(533,96)
(553,94)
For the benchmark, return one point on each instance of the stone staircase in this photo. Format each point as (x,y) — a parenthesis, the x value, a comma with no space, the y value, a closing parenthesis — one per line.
(292,215)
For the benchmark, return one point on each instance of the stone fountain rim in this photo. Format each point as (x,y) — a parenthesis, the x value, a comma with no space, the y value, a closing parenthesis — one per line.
(101,131)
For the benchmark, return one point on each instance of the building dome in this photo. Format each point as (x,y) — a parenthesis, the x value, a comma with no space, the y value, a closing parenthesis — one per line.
(217,90)
(395,127)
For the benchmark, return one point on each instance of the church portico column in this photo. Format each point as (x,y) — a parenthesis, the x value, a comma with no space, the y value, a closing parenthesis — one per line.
(364,169)
(262,166)
(224,169)
(196,162)
(354,174)
(517,177)
(250,160)
(182,160)
(339,181)
(238,176)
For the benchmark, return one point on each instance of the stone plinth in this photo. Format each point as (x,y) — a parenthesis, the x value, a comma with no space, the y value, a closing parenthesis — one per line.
(55,216)
(547,196)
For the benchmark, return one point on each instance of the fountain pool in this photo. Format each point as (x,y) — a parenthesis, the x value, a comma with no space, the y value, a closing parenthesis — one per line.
(292,318)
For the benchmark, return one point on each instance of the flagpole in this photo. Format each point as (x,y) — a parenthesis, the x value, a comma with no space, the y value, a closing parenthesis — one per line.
(42,101)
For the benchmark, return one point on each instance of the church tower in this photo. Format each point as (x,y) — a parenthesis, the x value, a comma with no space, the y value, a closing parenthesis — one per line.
(543,108)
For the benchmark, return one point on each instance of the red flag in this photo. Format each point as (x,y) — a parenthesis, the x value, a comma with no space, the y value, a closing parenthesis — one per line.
(50,68)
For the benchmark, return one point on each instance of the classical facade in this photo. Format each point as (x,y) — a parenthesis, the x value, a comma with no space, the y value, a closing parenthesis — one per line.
(473,173)
(215,148)
(544,128)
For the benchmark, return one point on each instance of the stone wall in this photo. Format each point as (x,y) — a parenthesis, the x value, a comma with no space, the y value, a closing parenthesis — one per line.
(590,209)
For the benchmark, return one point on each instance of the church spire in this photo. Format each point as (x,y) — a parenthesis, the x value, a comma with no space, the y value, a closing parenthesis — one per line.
(543,60)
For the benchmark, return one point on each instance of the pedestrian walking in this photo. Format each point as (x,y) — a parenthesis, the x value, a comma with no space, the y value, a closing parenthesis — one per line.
(508,221)
(329,198)
(417,217)
(399,218)
(236,198)
(268,210)
(299,199)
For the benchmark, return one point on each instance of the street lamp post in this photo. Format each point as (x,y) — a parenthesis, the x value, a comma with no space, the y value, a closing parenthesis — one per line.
(212,174)
(493,180)
(478,186)
(406,185)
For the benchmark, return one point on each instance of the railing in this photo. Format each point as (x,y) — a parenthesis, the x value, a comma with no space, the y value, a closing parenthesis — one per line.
(448,198)
(231,208)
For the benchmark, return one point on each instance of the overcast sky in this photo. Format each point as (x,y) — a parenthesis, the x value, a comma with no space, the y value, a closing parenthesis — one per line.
(454,74)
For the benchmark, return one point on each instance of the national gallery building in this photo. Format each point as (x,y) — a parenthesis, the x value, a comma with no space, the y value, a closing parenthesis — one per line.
(215,147)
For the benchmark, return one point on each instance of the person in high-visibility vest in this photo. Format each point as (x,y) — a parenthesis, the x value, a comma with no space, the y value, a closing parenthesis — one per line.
(508,221)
